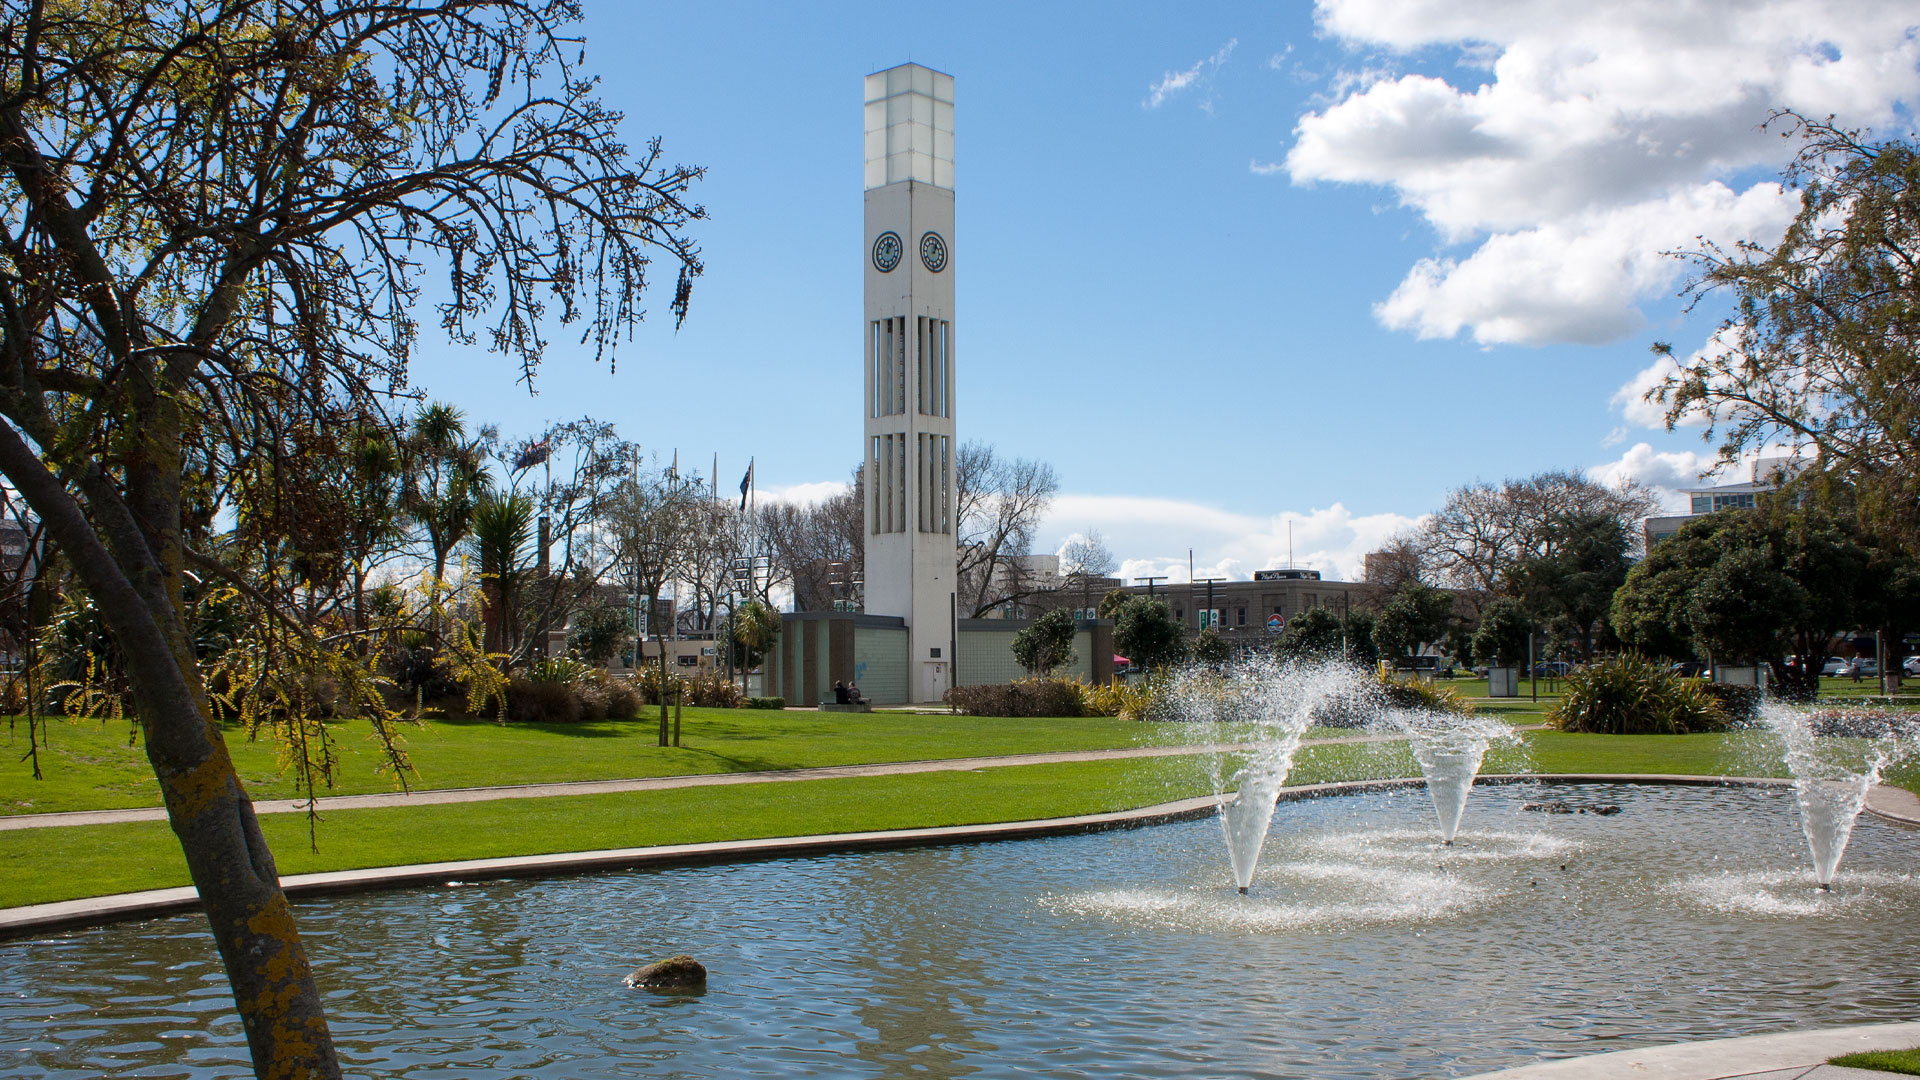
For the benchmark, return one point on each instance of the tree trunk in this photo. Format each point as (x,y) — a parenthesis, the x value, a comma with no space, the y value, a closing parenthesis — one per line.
(227,857)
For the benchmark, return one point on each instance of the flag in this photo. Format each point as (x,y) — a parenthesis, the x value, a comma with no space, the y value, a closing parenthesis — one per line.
(746,484)
(533,453)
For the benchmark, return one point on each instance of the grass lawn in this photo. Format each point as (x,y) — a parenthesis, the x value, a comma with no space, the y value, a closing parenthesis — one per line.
(96,860)
(102,859)
(1906,1062)
(93,765)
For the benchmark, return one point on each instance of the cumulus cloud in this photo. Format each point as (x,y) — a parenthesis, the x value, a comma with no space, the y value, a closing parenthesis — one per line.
(1201,73)
(1668,472)
(1631,398)
(1604,134)
(1153,535)
(1672,473)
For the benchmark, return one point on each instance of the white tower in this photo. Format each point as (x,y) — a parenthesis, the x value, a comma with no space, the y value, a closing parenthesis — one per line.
(907,347)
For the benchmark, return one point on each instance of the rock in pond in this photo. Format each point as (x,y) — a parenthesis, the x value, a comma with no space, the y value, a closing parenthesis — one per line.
(674,973)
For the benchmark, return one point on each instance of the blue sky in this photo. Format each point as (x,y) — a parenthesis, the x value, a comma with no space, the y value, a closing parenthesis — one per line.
(1226,267)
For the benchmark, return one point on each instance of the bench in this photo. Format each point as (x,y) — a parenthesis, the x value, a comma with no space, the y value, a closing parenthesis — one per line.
(834,706)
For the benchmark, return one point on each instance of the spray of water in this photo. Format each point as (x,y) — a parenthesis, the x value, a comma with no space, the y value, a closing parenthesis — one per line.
(1835,756)
(1269,703)
(1449,747)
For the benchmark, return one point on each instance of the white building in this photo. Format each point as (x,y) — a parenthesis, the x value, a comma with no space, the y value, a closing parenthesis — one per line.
(908,358)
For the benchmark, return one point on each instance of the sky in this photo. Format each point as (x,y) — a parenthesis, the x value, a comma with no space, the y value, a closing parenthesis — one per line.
(1255,279)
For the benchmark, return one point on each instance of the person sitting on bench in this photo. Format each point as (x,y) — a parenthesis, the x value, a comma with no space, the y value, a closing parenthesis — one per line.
(840,693)
(854,696)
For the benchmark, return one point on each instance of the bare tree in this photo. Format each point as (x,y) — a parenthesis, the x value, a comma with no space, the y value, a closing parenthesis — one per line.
(1001,502)
(649,525)
(820,549)
(213,221)
(571,471)
(1083,558)
(1483,531)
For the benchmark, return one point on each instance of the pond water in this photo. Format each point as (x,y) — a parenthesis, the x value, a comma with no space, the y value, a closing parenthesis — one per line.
(1364,950)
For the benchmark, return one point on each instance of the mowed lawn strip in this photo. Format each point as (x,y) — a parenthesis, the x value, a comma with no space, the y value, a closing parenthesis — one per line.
(94,765)
(43,865)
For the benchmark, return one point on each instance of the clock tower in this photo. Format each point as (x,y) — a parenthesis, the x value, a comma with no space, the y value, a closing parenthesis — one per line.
(907,350)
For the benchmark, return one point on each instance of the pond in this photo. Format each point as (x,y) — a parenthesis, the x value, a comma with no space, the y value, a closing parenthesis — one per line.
(1364,949)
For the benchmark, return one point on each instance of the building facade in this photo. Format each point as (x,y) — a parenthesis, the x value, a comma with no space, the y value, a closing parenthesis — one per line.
(907,349)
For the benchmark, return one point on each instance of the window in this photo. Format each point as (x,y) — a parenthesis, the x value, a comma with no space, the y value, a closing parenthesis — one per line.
(1703,504)
(1240,617)
(889,351)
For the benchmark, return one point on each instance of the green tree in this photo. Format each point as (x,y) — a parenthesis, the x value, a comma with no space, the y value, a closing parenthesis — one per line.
(1819,350)
(1210,648)
(1584,558)
(501,535)
(596,633)
(1749,586)
(1046,644)
(445,478)
(756,626)
(1362,648)
(1147,633)
(1312,634)
(1412,617)
(1501,639)
(216,217)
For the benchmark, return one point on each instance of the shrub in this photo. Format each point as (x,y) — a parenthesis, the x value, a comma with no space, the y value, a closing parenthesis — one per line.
(1633,695)
(1737,704)
(706,689)
(1128,701)
(1420,694)
(1026,697)
(531,702)
(560,669)
(766,703)
(711,690)
(623,701)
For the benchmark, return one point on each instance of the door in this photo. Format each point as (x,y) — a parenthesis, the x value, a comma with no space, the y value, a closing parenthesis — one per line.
(936,681)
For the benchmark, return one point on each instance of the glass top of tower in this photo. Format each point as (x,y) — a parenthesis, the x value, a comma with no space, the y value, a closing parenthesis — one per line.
(909,126)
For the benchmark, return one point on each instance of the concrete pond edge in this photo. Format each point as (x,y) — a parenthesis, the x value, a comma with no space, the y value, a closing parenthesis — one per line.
(1775,1056)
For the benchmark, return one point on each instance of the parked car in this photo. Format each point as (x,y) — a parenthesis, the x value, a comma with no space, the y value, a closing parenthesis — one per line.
(1861,667)
(1835,665)
(1552,669)
(1690,669)
(1911,665)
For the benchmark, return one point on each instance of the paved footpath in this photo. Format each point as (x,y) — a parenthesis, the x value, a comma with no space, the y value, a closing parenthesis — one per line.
(428,797)
(1792,1055)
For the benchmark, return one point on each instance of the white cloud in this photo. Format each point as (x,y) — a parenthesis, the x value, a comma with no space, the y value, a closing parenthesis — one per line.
(803,494)
(1153,535)
(1671,473)
(1615,437)
(1631,398)
(1173,82)
(1576,278)
(1604,134)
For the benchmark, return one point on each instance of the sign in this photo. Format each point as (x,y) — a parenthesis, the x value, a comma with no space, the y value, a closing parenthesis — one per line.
(1275,623)
(1209,618)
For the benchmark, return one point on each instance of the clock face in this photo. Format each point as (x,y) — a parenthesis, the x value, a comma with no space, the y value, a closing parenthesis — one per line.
(886,251)
(933,251)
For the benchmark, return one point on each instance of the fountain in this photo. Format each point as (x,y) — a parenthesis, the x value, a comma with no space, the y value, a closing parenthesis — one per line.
(1270,703)
(1835,756)
(1449,747)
